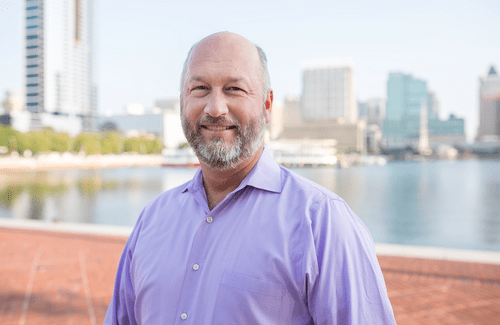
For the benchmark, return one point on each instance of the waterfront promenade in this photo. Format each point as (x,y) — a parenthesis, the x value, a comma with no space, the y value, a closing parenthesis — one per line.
(67,160)
(66,277)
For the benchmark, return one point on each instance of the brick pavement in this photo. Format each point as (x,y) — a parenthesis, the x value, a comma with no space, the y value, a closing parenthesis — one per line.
(66,278)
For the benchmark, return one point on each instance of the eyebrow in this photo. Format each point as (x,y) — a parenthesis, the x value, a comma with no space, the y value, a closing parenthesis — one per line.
(197,78)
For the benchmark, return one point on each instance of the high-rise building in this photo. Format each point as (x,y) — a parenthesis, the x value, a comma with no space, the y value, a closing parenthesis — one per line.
(61,90)
(328,91)
(403,121)
(372,111)
(489,107)
(291,111)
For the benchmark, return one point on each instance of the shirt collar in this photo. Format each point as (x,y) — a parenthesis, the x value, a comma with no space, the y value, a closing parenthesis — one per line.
(265,175)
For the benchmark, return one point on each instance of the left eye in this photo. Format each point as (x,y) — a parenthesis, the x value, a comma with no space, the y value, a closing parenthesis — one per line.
(234,88)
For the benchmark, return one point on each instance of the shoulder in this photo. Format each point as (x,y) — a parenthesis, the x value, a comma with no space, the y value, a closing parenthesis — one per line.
(321,209)
(293,182)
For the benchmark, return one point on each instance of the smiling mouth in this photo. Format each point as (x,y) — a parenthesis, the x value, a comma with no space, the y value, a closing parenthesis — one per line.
(218,128)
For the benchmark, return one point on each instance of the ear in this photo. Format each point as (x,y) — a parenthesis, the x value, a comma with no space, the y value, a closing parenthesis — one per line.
(268,105)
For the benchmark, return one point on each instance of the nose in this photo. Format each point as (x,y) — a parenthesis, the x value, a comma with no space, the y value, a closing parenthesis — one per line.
(217,105)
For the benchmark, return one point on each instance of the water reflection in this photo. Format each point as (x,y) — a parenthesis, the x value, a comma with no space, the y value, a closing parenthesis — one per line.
(441,203)
(491,203)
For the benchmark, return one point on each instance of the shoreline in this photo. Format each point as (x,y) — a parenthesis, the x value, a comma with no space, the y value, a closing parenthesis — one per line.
(395,250)
(68,161)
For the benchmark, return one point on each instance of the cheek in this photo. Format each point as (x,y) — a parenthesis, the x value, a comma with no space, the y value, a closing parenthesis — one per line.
(190,112)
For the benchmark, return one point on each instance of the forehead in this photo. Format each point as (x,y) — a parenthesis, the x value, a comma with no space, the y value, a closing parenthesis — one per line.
(224,56)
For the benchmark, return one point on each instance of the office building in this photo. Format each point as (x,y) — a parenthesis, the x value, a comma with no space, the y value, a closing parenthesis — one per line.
(61,90)
(291,112)
(328,91)
(275,125)
(406,97)
(489,107)
(372,111)
(348,136)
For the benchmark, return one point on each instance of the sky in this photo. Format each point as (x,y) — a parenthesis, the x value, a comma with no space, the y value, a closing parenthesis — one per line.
(141,45)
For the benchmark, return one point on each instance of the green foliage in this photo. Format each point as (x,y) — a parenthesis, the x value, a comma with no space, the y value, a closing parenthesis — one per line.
(142,145)
(13,140)
(89,143)
(45,140)
(153,146)
(5,133)
(9,194)
(111,142)
(59,142)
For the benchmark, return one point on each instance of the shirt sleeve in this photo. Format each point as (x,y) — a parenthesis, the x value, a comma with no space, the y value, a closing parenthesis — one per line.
(344,281)
(121,308)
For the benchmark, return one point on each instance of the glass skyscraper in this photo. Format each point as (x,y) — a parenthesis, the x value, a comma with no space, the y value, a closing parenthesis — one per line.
(60,63)
(405,98)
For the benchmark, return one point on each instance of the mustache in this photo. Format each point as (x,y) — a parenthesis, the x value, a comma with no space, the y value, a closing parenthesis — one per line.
(217,120)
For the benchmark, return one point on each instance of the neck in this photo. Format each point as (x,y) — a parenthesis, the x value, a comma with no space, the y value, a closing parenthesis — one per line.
(219,183)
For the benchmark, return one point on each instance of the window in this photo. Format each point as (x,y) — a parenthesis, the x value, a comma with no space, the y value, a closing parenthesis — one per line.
(32,75)
(31,36)
(31,27)
(32,17)
(32,85)
(32,8)
(31,47)
(32,66)
(32,104)
(32,94)
(32,56)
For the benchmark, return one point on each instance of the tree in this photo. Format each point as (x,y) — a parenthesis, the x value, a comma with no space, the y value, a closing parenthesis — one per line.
(111,142)
(87,142)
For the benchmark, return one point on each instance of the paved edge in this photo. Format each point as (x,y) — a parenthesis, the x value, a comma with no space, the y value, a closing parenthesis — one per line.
(82,228)
(438,253)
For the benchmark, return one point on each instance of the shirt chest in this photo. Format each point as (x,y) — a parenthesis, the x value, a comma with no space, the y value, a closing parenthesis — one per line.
(197,261)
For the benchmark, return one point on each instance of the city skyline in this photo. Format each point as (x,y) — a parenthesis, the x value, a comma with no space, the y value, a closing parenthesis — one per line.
(141,47)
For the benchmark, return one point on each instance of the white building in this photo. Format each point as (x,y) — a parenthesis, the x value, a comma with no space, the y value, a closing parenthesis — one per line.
(291,112)
(275,125)
(489,107)
(13,102)
(328,90)
(60,63)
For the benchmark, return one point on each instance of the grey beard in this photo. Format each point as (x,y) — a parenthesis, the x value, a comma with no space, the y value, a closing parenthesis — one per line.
(219,155)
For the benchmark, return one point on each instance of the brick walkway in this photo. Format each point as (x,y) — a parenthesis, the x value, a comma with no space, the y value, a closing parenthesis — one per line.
(65,278)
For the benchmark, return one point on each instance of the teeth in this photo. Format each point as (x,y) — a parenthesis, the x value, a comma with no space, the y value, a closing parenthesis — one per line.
(218,128)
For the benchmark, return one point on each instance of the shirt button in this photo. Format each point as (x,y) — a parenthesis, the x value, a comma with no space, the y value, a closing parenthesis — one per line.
(184,316)
(210,219)
(196,267)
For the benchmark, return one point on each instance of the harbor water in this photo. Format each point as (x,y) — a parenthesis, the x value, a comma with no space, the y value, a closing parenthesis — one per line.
(452,204)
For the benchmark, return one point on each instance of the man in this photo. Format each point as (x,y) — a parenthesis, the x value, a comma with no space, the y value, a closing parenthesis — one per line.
(245,241)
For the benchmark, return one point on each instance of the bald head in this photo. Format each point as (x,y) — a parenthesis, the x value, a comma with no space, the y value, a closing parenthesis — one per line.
(238,47)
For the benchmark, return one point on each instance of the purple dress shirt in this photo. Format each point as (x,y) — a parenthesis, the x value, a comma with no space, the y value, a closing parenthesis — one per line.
(279,249)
